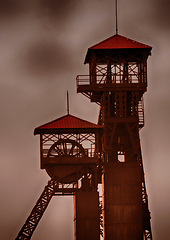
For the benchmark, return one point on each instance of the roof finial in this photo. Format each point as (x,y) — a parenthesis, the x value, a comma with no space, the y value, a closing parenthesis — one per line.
(67,103)
(116,18)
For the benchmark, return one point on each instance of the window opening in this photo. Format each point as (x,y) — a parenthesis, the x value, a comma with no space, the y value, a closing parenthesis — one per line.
(121,156)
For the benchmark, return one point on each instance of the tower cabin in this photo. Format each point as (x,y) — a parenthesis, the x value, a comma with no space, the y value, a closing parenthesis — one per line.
(70,153)
(117,65)
(68,144)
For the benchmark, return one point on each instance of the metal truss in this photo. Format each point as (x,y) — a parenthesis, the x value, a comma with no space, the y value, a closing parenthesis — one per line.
(38,210)
(146,214)
(53,188)
(82,138)
(115,68)
(122,104)
(145,208)
(131,72)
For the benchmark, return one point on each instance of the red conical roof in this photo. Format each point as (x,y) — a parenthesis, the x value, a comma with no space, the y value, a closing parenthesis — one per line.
(66,122)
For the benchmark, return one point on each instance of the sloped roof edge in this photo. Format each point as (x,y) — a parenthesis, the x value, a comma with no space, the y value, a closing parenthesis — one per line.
(66,122)
(120,42)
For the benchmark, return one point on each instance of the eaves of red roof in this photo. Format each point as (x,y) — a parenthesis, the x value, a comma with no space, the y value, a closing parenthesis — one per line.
(66,122)
(117,42)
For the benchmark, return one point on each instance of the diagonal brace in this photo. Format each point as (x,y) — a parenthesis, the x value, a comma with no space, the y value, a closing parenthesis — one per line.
(38,210)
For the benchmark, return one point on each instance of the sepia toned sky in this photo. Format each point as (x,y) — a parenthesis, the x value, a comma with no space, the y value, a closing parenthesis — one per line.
(43,44)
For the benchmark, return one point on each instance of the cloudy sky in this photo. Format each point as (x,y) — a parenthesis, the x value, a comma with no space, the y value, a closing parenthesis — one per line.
(42,48)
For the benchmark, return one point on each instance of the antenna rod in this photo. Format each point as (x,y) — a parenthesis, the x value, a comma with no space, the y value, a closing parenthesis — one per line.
(116,19)
(67,103)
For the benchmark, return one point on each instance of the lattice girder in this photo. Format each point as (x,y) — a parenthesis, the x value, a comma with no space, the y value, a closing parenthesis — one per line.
(122,104)
(52,188)
(121,138)
(118,63)
(38,210)
(87,139)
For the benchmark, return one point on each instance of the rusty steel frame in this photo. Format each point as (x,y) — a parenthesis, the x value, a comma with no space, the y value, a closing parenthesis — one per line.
(47,140)
(87,171)
(119,106)
(53,188)
(117,82)
(38,210)
(117,73)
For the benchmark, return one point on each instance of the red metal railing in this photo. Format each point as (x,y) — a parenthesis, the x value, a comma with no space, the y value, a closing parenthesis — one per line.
(103,79)
(89,152)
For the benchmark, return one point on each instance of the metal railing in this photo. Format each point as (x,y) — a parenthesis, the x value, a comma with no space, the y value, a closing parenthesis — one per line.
(89,152)
(104,78)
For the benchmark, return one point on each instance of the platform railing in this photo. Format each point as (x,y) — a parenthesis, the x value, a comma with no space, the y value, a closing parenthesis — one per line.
(89,152)
(104,79)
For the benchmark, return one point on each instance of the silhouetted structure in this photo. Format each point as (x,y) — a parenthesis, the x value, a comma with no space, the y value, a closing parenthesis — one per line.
(117,82)
(78,155)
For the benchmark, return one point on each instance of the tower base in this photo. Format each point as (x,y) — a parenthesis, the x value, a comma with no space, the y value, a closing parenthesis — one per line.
(86,215)
(122,201)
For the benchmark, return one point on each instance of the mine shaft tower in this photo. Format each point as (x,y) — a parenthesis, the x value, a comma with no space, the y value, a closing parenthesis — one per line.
(117,81)
(78,155)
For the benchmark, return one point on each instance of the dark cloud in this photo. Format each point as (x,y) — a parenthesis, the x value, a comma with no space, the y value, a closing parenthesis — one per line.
(57,9)
(10,8)
(161,16)
(49,38)
(54,10)
(43,57)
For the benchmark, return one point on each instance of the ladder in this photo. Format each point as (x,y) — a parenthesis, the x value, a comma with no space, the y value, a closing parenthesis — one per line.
(141,113)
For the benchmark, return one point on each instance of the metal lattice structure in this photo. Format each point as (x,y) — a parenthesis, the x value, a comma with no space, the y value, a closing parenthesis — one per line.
(69,150)
(37,212)
(79,155)
(117,81)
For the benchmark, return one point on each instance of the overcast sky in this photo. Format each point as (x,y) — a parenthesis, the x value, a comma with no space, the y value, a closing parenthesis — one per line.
(43,44)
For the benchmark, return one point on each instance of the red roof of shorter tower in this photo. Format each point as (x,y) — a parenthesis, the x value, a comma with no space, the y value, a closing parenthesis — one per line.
(117,42)
(66,122)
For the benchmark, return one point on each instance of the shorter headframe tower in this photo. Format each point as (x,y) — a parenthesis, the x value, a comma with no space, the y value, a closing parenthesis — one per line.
(69,152)
(117,81)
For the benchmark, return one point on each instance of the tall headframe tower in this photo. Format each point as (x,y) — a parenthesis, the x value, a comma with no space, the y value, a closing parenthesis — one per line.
(117,81)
